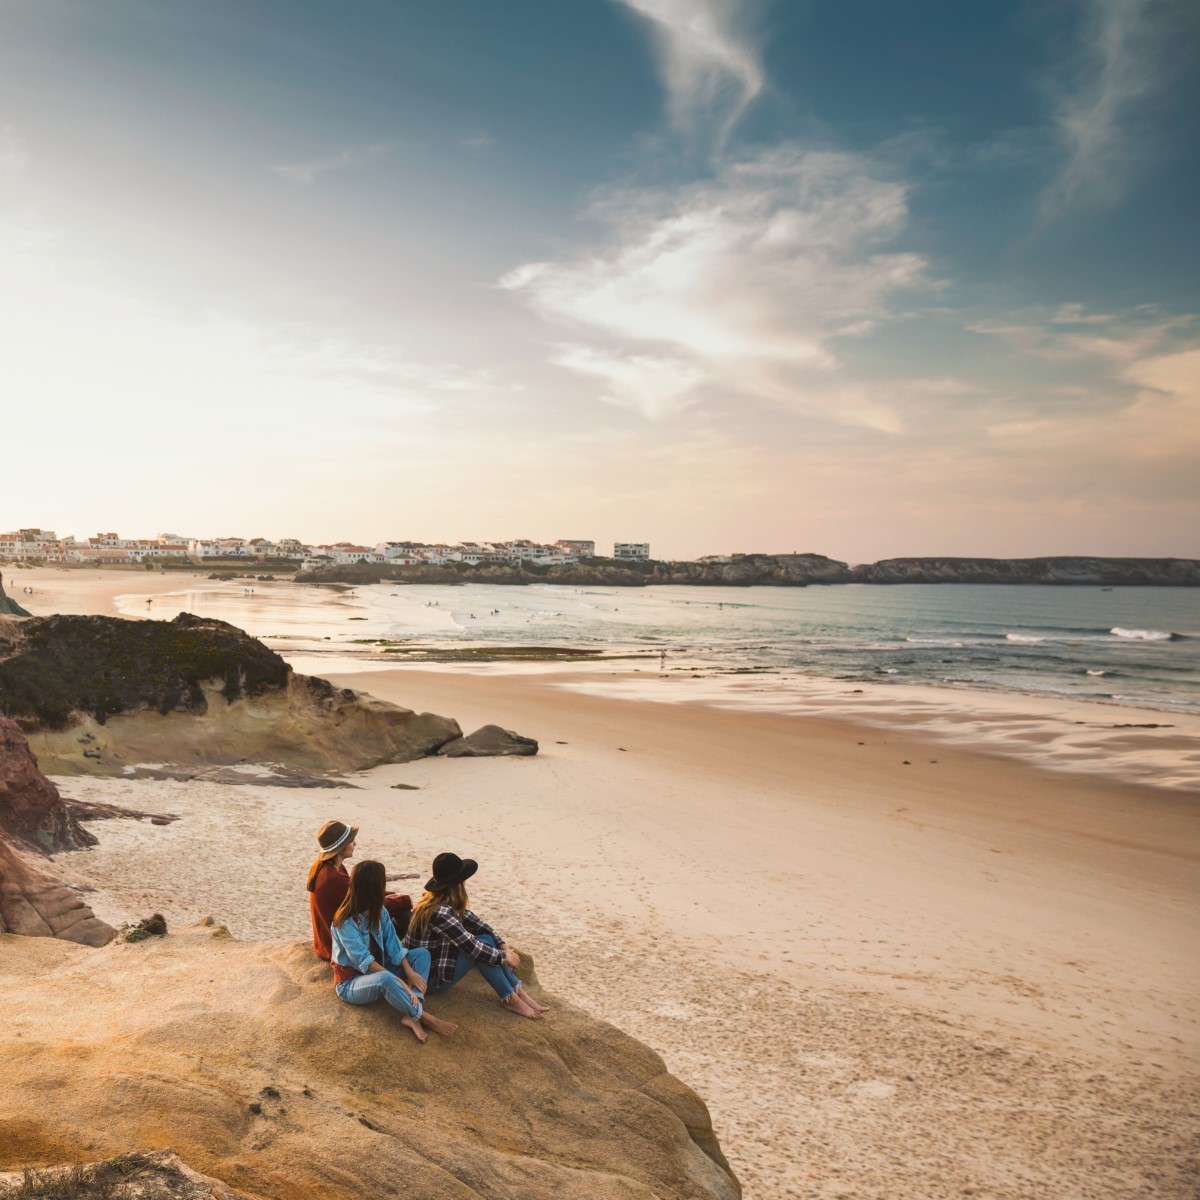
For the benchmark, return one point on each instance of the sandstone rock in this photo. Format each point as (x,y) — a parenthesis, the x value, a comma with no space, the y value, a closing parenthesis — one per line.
(95,694)
(37,905)
(489,741)
(240,1058)
(33,901)
(30,806)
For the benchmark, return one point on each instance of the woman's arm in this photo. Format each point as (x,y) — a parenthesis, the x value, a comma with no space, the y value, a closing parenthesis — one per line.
(351,943)
(480,928)
(453,930)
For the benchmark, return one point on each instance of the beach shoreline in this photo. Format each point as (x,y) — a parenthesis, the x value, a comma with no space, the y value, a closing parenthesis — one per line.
(857,942)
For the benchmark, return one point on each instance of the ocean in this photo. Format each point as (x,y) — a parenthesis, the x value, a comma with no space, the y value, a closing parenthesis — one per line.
(1135,646)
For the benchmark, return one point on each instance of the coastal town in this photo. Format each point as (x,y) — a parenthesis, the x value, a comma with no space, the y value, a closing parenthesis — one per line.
(34,545)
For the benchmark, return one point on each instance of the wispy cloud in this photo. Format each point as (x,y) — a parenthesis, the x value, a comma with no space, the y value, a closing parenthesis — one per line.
(352,156)
(767,265)
(477,141)
(1119,68)
(654,385)
(711,69)
(13,155)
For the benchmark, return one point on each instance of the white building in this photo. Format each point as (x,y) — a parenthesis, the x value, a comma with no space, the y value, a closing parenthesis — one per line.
(632,551)
(576,548)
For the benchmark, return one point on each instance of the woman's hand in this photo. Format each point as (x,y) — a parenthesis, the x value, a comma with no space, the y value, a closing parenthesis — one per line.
(511,957)
(415,981)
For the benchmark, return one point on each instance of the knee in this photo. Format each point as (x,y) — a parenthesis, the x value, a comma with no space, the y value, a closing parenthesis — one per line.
(420,960)
(487,939)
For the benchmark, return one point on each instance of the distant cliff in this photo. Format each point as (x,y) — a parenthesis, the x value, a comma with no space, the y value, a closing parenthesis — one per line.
(784,570)
(1108,572)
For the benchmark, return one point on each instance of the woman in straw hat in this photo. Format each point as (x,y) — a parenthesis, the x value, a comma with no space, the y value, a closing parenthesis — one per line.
(329,881)
(369,961)
(457,940)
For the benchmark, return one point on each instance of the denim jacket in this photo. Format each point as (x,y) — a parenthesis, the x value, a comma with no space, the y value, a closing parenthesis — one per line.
(352,944)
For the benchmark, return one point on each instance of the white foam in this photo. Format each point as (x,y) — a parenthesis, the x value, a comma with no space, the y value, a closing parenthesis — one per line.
(1142,635)
(1022,637)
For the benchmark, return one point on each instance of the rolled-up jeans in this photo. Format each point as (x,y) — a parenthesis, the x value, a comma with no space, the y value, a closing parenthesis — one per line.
(366,989)
(500,975)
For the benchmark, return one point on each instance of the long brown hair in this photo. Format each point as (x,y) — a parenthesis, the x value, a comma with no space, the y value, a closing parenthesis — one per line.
(455,896)
(368,883)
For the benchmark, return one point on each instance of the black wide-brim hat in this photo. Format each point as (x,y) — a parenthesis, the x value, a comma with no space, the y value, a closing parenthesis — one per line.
(449,869)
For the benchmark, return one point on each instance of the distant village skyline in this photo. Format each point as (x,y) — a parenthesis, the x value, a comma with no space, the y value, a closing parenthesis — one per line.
(34,543)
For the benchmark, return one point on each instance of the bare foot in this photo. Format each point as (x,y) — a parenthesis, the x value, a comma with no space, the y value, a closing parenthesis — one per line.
(523,995)
(515,1004)
(418,1032)
(445,1028)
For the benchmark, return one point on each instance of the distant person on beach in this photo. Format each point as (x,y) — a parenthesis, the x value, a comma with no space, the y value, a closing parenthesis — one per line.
(329,881)
(369,960)
(458,940)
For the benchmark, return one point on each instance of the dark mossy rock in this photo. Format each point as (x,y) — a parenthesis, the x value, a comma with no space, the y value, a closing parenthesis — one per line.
(62,665)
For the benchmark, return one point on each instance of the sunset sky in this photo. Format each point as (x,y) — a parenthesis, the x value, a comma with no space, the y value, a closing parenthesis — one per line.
(846,276)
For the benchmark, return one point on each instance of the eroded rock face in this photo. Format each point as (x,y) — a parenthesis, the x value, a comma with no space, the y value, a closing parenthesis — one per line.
(30,806)
(33,900)
(258,1076)
(97,694)
(489,741)
(36,904)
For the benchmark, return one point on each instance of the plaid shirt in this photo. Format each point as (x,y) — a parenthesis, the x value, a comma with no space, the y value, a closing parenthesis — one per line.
(447,934)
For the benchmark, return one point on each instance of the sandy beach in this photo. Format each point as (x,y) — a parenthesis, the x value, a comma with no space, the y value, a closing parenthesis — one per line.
(897,956)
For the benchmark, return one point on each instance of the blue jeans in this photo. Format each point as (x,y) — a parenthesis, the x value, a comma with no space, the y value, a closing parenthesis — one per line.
(503,981)
(366,989)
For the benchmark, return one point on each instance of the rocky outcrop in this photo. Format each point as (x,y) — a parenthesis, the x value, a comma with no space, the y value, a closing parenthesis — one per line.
(97,694)
(1146,572)
(743,570)
(30,807)
(8,607)
(35,903)
(489,741)
(240,1058)
(33,817)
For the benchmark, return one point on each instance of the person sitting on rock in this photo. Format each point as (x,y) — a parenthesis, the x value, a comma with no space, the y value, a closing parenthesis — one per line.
(329,881)
(458,940)
(369,960)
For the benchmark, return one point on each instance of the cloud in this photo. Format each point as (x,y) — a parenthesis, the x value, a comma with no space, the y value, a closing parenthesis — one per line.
(764,266)
(477,141)
(13,155)
(351,156)
(1120,68)
(654,385)
(711,71)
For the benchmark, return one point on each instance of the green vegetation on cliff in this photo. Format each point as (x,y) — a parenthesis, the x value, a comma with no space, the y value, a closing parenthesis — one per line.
(53,667)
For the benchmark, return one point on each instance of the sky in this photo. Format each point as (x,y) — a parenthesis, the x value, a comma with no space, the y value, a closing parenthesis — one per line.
(849,277)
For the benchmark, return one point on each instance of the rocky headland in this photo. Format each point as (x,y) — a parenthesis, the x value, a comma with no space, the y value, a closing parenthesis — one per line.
(239,1058)
(783,570)
(98,695)
(1061,571)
